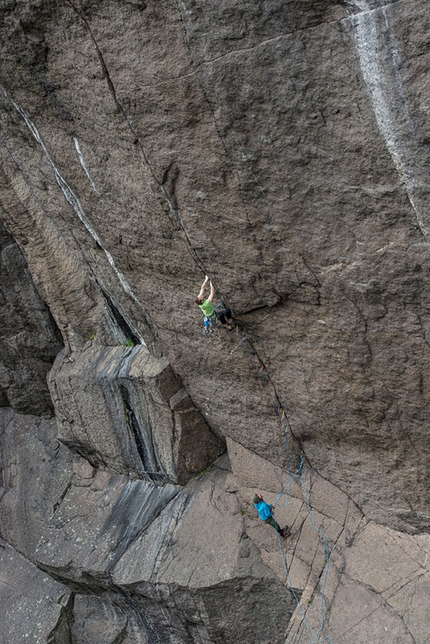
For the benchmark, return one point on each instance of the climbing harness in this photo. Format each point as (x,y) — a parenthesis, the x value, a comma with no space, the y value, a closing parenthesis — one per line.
(271,391)
(210,323)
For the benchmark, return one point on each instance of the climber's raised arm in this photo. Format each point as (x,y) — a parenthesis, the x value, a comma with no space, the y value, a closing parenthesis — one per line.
(212,293)
(202,290)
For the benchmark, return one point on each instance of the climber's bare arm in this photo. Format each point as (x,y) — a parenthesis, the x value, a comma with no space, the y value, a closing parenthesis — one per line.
(202,289)
(212,293)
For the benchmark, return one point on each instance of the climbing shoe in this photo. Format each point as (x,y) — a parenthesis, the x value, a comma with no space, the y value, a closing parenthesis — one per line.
(285,532)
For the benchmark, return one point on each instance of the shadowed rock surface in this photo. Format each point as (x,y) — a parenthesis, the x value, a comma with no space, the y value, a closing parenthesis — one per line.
(282,148)
(29,338)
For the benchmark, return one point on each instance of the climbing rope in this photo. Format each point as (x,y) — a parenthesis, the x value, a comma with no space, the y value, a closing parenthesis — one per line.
(262,371)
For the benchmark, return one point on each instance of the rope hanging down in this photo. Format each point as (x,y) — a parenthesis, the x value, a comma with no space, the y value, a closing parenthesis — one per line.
(271,391)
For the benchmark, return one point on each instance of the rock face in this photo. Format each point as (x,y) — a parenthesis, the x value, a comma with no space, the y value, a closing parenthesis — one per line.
(282,148)
(125,409)
(29,338)
(33,606)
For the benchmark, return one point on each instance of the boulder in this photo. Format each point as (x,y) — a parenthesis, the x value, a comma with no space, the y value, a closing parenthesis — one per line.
(125,409)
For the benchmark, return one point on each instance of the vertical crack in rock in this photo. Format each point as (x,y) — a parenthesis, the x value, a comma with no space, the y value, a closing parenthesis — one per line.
(171,207)
(380,63)
(143,440)
(271,391)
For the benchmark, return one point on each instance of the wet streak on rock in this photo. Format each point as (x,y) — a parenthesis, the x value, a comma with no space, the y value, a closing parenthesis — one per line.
(145,448)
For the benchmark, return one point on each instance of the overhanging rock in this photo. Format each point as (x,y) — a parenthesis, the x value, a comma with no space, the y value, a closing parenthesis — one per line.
(125,409)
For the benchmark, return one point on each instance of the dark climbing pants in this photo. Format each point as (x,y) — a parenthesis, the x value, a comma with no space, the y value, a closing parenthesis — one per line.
(271,521)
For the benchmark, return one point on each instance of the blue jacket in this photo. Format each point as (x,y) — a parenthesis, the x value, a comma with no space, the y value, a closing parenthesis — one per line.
(264,510)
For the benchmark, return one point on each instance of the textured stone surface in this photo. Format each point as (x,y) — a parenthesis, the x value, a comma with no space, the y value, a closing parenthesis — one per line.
(35,472)
(179,559)
(33,608)
(96,523)
(375,584)
(220,586)
(252,144)
(96,620)
(29,339)
(119,407)
(283,149)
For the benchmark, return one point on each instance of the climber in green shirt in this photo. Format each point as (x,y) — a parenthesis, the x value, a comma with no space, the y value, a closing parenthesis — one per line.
(206,304)
(211,317)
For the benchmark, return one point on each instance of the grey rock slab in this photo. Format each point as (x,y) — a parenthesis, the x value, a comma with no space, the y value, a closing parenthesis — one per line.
(353,613)
(411,602)
(376,560)
(29,338)
(185,558)
(252,470)
(333,502)
(33,607)
(384,572)
(196,559)
(95,524)
(375,587)
(423,541)
(35,473)
(140,563)
(312,507)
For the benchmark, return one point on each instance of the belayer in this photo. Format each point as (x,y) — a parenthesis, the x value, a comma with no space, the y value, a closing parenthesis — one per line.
(266,514)
(206,305)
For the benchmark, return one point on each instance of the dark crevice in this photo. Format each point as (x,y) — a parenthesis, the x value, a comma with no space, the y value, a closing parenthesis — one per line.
(61,633)
(129,332)
(145,448)
(62,496)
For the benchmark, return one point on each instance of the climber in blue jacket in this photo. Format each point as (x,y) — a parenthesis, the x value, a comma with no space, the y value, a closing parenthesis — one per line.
(266,514)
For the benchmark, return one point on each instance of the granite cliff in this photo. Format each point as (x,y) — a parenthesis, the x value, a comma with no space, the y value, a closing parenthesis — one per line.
(282,148)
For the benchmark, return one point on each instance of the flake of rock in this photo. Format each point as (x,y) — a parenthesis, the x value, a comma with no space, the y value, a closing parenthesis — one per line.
(114,402)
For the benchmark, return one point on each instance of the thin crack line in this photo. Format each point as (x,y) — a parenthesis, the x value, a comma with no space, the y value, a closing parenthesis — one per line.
(174,211)
(289,34)
(212,110)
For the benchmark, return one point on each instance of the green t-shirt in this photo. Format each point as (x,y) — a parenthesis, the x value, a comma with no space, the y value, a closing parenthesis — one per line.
(207,308)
